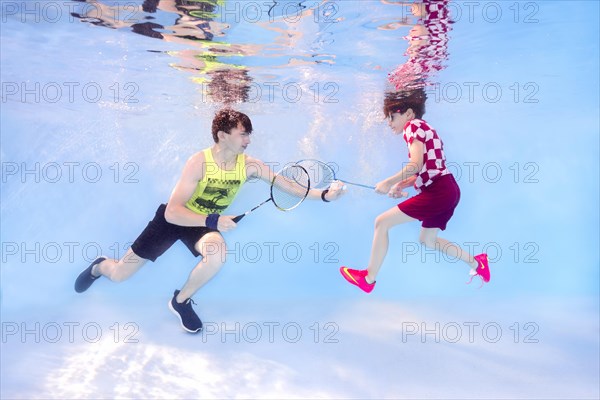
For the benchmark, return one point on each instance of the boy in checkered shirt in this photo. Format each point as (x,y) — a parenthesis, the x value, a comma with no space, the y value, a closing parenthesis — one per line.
(438,193)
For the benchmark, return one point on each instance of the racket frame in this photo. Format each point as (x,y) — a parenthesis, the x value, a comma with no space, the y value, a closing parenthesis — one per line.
(239,217)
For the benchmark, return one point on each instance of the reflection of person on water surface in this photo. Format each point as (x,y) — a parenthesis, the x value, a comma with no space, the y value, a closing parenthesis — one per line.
(194,27)
(428,45)
(193,22)
(438,193)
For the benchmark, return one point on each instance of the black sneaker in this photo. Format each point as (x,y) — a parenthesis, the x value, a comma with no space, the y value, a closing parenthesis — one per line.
(85,279)
(188,318)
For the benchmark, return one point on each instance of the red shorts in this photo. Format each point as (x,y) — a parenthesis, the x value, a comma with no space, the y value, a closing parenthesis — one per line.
(435,204)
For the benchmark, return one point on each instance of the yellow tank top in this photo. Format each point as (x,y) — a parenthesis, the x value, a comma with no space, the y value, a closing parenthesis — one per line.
(217,189)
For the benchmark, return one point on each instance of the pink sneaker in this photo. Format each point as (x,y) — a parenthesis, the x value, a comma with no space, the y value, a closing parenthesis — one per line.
(357,277)
(483,269)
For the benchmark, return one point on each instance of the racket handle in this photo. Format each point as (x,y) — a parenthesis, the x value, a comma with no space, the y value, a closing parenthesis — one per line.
(238,218)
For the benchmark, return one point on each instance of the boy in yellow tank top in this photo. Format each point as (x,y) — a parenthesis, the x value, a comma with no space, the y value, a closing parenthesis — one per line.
(208,184)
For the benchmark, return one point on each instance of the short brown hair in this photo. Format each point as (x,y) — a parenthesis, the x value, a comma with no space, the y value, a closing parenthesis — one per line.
(227,119)
(401,101)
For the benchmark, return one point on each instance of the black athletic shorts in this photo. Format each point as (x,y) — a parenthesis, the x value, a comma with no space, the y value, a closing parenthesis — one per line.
(160,235)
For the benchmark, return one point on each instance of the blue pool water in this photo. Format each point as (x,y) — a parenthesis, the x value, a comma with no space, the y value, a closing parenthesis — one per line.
(103,102)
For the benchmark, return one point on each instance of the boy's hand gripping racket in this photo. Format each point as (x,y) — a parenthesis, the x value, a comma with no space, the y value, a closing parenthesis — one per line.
(289,188)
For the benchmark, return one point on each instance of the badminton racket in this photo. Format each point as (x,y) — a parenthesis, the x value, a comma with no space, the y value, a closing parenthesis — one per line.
(289,188)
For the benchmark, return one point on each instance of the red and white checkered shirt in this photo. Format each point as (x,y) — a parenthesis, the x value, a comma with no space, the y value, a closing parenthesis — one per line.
(434,160)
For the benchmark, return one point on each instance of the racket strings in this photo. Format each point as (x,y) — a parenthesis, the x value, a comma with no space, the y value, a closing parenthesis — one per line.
(321,175)
(290,187)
